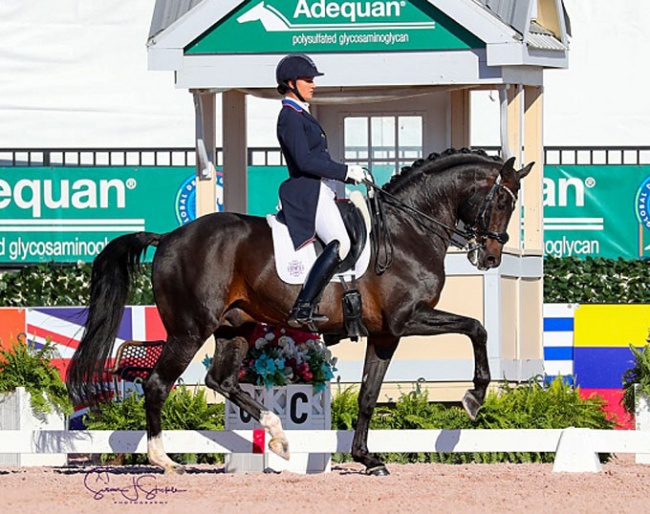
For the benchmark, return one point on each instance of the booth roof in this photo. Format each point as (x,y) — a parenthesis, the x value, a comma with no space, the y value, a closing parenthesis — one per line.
(512,12)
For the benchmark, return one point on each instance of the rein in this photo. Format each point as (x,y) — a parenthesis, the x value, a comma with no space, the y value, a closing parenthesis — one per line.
(478,229)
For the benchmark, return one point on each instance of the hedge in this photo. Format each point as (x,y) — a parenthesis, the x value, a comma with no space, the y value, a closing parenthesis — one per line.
(566,280)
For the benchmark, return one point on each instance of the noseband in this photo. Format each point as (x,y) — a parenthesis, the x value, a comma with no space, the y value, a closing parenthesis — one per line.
(480,229)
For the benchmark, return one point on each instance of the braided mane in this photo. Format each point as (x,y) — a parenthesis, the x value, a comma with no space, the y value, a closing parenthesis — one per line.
(436,162)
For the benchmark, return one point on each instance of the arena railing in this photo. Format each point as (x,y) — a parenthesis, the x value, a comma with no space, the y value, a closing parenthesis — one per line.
(272,156)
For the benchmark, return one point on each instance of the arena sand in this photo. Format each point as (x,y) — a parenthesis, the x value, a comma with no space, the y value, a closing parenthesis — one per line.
(622,487)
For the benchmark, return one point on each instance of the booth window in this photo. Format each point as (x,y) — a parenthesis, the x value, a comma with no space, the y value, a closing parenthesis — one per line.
(383,143)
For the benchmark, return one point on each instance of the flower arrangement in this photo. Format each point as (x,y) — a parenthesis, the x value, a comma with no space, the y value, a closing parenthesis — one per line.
(278,357)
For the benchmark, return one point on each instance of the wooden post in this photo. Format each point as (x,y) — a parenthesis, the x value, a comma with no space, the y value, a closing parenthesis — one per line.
(460,118)
(514,124)
(533,186)
(235,158)
(532,289)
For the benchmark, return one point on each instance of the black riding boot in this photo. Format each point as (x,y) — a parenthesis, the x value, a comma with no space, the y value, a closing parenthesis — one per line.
(319,276)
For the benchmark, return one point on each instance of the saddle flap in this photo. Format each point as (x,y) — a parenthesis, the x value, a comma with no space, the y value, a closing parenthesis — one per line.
(292,266)
(357,232)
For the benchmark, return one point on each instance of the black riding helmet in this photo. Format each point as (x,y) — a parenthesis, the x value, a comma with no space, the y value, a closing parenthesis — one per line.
(294,67)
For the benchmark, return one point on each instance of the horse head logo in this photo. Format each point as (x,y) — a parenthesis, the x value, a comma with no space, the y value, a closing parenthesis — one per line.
(272,20)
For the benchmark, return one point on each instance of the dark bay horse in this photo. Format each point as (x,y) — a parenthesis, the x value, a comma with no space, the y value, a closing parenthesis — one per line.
(216,276)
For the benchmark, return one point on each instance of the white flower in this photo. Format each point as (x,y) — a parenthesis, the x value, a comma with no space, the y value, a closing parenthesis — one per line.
(270,336)
(284,340)
(260,343)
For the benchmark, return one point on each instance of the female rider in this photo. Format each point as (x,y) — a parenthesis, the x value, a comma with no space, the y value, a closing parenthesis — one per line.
(308,197)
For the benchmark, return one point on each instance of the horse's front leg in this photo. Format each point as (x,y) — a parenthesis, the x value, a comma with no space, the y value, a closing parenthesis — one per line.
(223,377)
(429,321)
(379,353)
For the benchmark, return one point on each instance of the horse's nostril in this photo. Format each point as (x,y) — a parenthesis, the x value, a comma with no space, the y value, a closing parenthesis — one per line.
(491,261)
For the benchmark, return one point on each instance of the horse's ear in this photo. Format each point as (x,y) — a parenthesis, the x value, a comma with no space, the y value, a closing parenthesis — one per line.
(508,170)
(526,170)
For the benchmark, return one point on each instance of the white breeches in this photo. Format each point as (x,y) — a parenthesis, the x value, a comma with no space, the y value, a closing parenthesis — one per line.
(329,225)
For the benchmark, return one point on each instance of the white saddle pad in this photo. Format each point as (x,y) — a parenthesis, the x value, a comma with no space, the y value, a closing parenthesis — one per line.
(293,266)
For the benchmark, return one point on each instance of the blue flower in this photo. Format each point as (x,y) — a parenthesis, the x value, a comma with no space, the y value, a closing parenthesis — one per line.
(266,367)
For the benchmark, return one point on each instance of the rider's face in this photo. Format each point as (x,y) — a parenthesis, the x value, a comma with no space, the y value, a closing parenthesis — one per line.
(306,87)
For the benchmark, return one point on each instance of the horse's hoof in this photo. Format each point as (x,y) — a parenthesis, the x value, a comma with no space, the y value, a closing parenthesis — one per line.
(378,471)
(471,405)
(280,446)
(177,469)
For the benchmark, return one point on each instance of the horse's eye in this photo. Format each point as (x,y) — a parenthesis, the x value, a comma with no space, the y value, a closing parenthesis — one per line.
(501,206)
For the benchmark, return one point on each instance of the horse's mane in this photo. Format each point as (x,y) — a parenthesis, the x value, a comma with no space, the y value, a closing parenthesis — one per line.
(436,162)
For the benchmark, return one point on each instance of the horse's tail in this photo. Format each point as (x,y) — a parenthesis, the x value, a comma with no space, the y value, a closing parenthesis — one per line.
(112,273)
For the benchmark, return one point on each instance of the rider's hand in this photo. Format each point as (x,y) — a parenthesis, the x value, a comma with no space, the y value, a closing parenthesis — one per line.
(356,174)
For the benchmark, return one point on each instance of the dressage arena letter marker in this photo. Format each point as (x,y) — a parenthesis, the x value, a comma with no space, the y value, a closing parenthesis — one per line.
(293,411)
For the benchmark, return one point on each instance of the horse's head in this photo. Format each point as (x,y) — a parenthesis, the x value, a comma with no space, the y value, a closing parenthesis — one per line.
(493,213)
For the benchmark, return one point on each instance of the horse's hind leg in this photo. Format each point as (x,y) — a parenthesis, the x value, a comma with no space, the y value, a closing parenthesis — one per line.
(174,359)
(223,377)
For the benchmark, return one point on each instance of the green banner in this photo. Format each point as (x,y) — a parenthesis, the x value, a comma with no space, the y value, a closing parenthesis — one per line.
(597,211)
(70,214)
(282,26)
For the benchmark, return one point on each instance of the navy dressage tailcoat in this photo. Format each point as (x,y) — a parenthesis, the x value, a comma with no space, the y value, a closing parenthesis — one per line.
(304,146)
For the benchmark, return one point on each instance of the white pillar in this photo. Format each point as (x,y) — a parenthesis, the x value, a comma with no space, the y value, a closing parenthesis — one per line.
(205,116)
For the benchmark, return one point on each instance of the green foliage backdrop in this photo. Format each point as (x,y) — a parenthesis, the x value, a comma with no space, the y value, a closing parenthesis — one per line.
(566,280)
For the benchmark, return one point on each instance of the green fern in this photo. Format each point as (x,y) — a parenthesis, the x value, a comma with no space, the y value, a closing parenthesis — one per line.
(639,374)
(26,366)
(184,410)
(529,406)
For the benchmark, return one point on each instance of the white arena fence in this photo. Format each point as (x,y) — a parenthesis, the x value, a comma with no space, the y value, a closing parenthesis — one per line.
(576,448)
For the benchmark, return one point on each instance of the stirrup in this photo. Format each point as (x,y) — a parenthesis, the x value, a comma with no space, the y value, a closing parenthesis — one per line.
(304,316)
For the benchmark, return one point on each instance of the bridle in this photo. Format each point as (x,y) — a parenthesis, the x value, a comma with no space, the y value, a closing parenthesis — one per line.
(480,229)
(474,235)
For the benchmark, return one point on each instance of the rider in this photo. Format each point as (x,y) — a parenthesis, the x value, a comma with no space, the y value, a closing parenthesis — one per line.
(308,196)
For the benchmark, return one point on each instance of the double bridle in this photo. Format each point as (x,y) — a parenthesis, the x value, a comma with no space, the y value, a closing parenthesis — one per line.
(479,230)
(473,236)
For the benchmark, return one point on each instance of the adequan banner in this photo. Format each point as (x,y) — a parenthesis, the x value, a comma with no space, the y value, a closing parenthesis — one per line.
(597,211)
(70,214)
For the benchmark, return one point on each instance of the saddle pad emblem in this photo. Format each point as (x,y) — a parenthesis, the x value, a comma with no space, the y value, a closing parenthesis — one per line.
(296,268)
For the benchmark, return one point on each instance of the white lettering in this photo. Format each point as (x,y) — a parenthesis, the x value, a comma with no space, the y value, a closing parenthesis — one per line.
(556,195)
(579,189)
(34,202)
(64,197)
(302,9)
(104,190)
(332,10)
(86,195)
(20,250)
(349,10)
(5,191)
(568,248)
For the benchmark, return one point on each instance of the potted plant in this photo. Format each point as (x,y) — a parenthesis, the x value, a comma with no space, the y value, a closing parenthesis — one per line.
(636,392)
(32,396)
(289,372)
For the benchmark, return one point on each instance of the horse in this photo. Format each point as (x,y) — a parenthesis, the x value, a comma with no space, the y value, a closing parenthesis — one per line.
(216,276)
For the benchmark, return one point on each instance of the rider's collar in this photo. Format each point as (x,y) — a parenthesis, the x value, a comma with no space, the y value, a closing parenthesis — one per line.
(296,104)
